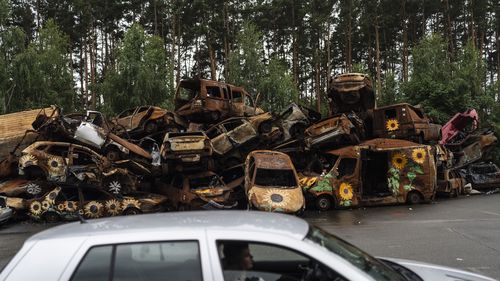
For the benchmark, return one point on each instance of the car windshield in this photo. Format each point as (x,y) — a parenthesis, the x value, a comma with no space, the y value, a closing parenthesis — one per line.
(275,178)
(368,264)
(205,182)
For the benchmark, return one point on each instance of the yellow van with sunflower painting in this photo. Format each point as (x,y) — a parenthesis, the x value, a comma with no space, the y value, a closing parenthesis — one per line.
(375,172)
(404,121)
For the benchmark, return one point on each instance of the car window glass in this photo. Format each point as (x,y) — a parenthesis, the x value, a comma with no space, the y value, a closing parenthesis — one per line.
(213,92)
(237,96)
(241,260)
(95,266)
(346,167)
(390,113)
(162,261)
(226,93)
(187,94)
(212,133)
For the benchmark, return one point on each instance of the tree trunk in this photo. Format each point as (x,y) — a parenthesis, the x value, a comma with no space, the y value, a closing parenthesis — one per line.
(449,31)
(472,30)
(226,42)
(213,65)
(295,52)
(317,79)
(349,39)
(405,42)
(424,19)
(497,40)
(377,53)
(86,75)
(156,17)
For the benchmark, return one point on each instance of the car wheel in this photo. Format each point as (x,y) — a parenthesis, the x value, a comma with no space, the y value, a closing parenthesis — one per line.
(51,217)
(454,192)
(132,211)
(413,198)
(151,127)
(323,202)
(113,155)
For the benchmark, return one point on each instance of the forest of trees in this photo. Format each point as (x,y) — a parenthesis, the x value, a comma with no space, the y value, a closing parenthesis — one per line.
(111,55)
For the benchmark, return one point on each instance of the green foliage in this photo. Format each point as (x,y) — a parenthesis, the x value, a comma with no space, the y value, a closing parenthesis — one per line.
(277,88)
(390,92)
(141,76)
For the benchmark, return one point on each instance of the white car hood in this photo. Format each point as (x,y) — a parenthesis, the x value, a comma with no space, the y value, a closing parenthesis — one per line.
(429,271)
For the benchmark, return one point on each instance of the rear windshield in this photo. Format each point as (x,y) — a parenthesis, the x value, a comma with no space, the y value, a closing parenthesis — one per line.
(275,178)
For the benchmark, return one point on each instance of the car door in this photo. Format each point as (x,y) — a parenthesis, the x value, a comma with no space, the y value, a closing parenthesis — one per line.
(275,257)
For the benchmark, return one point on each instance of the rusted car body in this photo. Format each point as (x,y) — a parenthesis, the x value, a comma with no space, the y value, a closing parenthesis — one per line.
(205,190)
(70,202)
(271,183)
(483,175)
(450,182)
(24,188)
(147,120)
(72,163)
(351,92)
(334,131)
(186,150)
(295,119)
(459,126)
(206,101)
(235,132)
(472,148)
(404,121)
(375,172)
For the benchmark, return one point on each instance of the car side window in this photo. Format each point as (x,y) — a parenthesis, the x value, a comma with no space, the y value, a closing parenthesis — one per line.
(213,92)
(347,167)
(242,260)
(95,266)
(165,261)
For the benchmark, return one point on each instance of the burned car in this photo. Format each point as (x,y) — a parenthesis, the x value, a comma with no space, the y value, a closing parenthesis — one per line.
(450,182)
(335,131)
(295,119)
(404,121)
(375,172)
(5,211)
(483,175)
(351,92)
(472,148)
(207,101)
(64,162)
(271,183)
(186,151)
(237,131)
(24,188)
(147,120)
(205,190)
(70,202)
(459,126)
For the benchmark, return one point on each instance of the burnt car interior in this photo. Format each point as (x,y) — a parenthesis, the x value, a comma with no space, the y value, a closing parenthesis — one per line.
(272,177)
(211,181)
(374,174)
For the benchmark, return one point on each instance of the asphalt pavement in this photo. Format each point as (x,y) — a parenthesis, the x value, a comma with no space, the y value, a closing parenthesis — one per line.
(461,232)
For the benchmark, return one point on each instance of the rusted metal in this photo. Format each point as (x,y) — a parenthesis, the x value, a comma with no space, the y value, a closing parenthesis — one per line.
(294,120)
(404,121)
(483,175)
(459,125)
(450,182)
(207,101)
(271,182)
(335,131)
(186,150)
(23,188)
(376,172)
(351,92)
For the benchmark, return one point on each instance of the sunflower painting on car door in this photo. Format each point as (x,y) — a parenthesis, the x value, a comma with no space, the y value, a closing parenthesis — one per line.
(405,166)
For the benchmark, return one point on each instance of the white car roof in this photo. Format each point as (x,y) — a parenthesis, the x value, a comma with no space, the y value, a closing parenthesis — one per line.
(244,221)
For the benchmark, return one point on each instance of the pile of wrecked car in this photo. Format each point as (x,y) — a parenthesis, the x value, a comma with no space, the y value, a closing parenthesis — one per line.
(218,150)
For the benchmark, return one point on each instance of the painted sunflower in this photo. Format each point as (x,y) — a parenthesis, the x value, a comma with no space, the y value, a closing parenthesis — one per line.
(51,197)
(93,209)
(46,205)
(113,207)
(399,161)
(28,158)
(130,203)
(61,207)
(36,208)
(71,206)
(345,191)
(275,198)
(55,163)
(418,155)
(392,125)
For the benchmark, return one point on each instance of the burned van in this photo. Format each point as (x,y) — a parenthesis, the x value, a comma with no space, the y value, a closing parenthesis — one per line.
(351,92)
(375,172)
(208,101)
(404,121)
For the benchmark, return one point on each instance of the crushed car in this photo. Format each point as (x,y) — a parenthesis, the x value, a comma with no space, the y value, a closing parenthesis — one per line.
(459,126)
(271,183)
(351,92)
(294,119)
(450,183)
(64,162)
(472,148)
(335,131)
(205,190)
(482,175)
(5,212)
(375,172)
(186,151)
(70,203)
(207,101)
(404,121)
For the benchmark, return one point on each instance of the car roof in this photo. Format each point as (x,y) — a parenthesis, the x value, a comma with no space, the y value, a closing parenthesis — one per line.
(244,221)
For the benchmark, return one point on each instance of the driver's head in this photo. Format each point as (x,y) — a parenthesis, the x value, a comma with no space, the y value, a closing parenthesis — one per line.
(237,255)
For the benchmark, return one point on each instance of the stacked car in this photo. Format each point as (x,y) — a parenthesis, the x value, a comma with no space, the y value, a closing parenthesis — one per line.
(218,150)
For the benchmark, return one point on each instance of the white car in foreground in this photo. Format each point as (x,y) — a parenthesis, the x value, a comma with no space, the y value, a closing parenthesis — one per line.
(213,245)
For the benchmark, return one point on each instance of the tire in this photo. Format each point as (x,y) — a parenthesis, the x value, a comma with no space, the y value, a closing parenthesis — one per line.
(151,127)
(131,211)
(265,127)
(51,217)
(413,198)
(323,202)
(113,155)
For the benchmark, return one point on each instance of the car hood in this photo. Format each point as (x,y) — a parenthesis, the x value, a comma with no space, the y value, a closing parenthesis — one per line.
(429,271)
